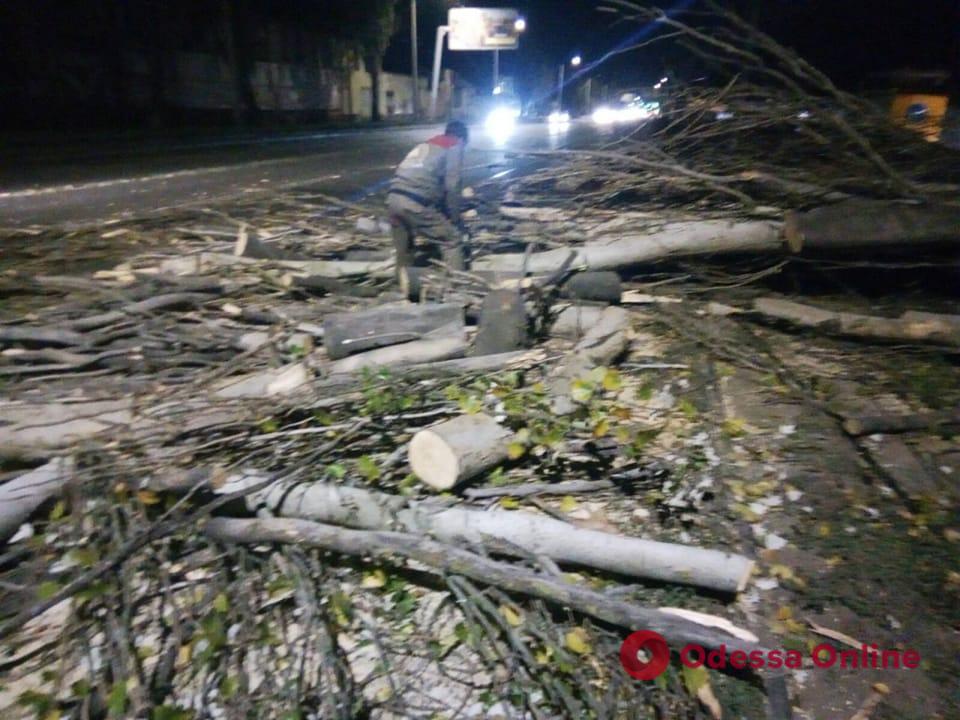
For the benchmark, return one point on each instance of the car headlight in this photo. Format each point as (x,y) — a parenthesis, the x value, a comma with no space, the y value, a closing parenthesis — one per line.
(558,118)
(604,116)
(501,121)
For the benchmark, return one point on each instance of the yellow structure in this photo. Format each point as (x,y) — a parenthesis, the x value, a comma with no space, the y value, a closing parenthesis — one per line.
(921,112)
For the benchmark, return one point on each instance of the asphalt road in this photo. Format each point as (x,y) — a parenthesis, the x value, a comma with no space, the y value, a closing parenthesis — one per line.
(82,184)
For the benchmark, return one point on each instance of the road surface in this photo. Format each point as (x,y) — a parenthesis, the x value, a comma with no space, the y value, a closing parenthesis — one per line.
(85,184)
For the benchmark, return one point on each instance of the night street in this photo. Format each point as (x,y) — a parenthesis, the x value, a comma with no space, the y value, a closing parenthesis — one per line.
(81,184)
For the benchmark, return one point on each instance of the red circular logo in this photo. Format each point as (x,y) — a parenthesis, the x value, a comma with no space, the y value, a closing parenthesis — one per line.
(655,648)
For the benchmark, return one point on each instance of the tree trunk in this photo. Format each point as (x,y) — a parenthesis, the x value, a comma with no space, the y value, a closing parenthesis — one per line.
(503,323)
(457,450)
(410,353)
(871,223)
(503,531)
(348,333)
(603,342)
(374,64)
(595,286)
(239,59)
(25,493)
(909,327)
(674,240)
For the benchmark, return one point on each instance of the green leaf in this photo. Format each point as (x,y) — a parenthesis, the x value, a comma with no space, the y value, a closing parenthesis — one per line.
(368,467)
(471,404)
(270,425)
(220,603)
(48,589)
(612,381)
(59,510)
(695,678)
(509,503)
(515,450)
(688,409)
(169,712)
(117,699)
(581,391)
(337,471)
(229,686)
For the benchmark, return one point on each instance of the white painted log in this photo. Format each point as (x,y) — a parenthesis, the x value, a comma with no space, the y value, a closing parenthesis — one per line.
(507,532)
(25,493)
(454,451)
(676,239)
(411,353)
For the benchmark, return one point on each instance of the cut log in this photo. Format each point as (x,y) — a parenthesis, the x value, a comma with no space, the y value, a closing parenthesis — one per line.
(596,286)
(249,246)
(58,425)
(348,333)
(457,561)
(170,301)
(269,383)
(319,285)
(871,223)
(207,261)
(410,353)
(503,531)
(909,327)
(457,450)
(503,323)
(40,336)
(603,342)
(25,493)
(537,214)
(573,321)
(888,424)
(676,239)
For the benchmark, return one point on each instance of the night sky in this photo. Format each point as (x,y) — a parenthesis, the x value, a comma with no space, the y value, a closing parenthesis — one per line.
(849,39)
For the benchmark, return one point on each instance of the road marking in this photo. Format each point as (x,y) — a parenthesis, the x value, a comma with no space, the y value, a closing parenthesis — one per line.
(99,184)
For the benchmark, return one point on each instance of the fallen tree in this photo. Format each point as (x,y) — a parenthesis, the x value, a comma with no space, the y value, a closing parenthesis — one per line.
(909,327)
(20,497)
(354,332)
(502,531)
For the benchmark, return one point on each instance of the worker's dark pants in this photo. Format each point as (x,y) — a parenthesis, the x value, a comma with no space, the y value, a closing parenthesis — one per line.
(410,220)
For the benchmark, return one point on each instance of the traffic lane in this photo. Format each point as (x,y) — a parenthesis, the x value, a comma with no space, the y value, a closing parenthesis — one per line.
(81,165)
(345,165)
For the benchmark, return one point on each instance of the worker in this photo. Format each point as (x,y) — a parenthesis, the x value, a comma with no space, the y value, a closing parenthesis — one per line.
(424,198)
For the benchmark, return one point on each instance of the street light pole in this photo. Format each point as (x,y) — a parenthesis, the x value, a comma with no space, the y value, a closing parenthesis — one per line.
(413,58)
(563,69)
(496,70)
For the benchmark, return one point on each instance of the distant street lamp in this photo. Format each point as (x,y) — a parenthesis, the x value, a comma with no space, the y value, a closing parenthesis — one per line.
(574,62)
(520,25)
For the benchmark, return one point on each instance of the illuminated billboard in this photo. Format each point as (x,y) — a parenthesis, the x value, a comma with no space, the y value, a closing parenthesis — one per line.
(484,28)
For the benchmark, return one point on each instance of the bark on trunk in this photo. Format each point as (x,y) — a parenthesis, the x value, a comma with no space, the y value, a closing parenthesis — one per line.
(349,333)
(909,327)
(204,262)
(318,285)
(451,560)
(503,323)
(506,532)
(600,346)
(457,450)
(885,424)
(674,240)
(24,494)
(410,353)
(596,286)
(868,223)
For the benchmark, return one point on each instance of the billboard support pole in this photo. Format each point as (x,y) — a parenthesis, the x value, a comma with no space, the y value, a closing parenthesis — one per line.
(437,54)
(496,70)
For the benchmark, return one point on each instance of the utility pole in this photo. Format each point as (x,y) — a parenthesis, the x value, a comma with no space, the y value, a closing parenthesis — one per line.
(414,58)
(496,71)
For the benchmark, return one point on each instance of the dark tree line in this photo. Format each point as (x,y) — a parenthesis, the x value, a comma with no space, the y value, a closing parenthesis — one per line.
(117,58)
